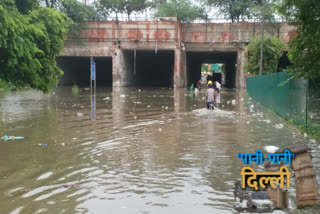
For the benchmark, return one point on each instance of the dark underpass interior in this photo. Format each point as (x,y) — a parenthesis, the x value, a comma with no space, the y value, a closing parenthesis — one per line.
(77,70)
(195,59)
(152,69)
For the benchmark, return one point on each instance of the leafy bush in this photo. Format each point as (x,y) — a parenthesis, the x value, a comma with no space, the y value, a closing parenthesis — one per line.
(272,51)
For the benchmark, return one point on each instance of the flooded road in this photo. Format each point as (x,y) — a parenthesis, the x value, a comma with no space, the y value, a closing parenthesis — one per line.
(154,150)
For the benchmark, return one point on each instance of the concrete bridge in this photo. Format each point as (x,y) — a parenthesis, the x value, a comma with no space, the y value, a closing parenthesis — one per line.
(162,52)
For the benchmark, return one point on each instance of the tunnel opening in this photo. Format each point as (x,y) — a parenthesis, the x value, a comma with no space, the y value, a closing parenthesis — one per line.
(150,68)
(228,60)
(213,72)
(77,70)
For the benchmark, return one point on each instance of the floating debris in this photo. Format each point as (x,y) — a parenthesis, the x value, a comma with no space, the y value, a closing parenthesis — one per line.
(233,102)
(66,186)
(267,121)
(79,114)
(126,164)
(160,129)
(106,98)
(278,126)
(270,149)
(42,144)
(122,95)
(5,138)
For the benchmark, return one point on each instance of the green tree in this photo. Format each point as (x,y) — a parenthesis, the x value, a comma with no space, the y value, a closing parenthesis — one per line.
(236,10)
(29,44)
(272,51)
(184,10)
(25,5)
(79,14)
(122,6)
(304,50)
(204,68)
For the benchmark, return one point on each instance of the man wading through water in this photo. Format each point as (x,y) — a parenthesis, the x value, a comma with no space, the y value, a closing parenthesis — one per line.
(210,96)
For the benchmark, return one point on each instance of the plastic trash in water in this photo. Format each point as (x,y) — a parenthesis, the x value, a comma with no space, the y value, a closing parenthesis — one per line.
(66,186)
(278,126)
(233,102)
(5,138)
(122,95)
(79,114)
(42,144)
(126,164)
(270,149)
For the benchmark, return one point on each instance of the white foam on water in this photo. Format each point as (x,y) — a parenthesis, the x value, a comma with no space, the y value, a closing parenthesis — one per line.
(143,124)
(215,112)
(44,176)
(17,211)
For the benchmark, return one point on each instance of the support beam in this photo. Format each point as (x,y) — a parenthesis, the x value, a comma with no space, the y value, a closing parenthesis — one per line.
(180,74)
(241,74)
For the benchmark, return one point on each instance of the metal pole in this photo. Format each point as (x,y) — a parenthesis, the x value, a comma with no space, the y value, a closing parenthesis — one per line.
(90,73)
(261,44)
(95,77)
(307,94)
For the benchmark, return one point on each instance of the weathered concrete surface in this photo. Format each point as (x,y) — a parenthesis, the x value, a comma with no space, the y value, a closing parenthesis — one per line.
(112,38)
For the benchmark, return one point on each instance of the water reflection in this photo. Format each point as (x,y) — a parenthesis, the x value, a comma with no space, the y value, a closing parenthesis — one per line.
(130,150)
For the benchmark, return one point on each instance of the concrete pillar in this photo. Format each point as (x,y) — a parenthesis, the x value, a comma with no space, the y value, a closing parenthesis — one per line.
(116,67)
(180,71)
(241,74)
(122,68)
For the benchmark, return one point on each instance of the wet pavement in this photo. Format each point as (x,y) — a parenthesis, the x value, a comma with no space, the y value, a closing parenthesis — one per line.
(132,150)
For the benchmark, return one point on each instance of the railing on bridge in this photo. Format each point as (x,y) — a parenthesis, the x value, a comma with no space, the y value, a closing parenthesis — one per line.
(166,30)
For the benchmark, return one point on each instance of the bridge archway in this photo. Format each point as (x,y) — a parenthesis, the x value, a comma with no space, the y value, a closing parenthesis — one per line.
(196,59)
(77,70)
(149,68)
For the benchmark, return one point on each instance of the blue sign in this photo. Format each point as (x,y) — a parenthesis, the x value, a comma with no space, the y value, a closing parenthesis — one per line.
(93,69)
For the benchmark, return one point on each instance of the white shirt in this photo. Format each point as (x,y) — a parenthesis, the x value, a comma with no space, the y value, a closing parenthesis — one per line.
(218,85)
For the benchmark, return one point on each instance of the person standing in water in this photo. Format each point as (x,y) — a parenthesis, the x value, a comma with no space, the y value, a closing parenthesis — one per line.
(191,88)
(199,85)
(217,92)
(210,97)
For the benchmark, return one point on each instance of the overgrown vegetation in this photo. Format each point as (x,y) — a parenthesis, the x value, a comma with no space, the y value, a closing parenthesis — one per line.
(304,50)
(184,10)
(105,7)
(29,44)
(272,51)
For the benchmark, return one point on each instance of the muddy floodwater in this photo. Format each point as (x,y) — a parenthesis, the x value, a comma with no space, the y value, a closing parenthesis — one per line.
(132,150)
